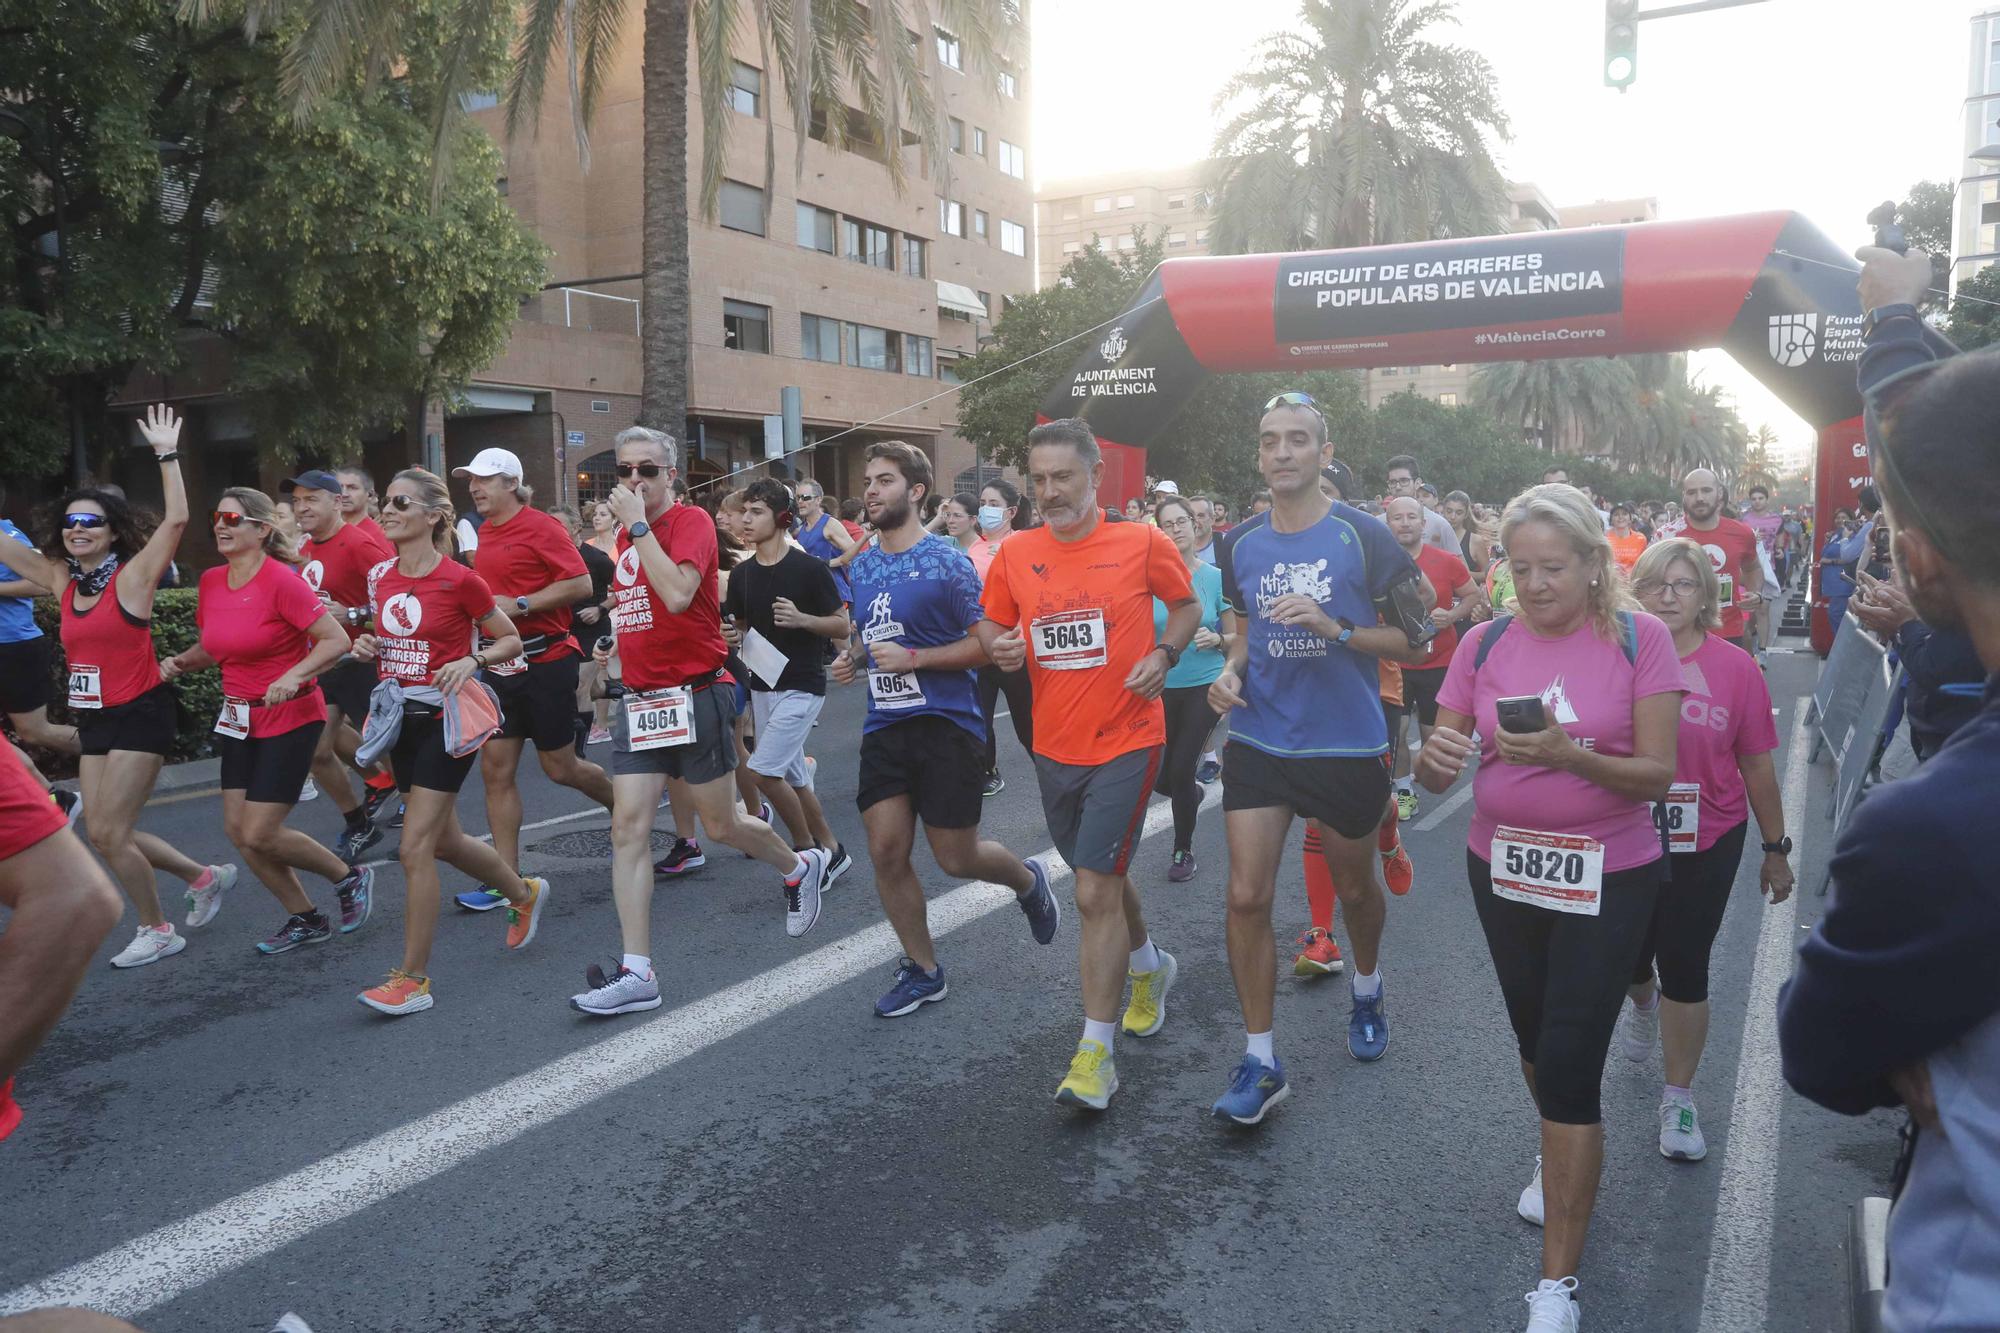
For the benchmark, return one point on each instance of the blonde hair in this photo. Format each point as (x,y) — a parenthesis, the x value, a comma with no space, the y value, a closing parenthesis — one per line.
(1567,510)
(259,507)
(435,496)
(1652,565)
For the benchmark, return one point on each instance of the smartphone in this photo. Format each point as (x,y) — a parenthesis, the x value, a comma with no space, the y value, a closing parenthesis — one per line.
(1522,715)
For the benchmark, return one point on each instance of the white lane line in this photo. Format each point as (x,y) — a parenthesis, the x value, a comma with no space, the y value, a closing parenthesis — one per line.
(1734,1297)
(1444,812)
(161,1265)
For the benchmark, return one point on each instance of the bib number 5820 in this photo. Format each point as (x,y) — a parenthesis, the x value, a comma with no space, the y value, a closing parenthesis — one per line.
(1545,864)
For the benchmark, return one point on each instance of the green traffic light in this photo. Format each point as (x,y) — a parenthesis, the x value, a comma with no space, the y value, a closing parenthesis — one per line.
(1621,42)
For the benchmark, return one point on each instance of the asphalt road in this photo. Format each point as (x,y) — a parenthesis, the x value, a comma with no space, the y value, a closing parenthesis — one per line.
(221,1137)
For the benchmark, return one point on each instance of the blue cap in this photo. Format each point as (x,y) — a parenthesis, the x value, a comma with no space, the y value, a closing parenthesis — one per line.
(314,481)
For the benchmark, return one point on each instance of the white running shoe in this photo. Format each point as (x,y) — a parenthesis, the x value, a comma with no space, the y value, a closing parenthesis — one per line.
(309,792)
(1530,1206)
(1638,1032)
(802,898)
(1680,1132)
(150,945)
(204,896)
(1551,1309)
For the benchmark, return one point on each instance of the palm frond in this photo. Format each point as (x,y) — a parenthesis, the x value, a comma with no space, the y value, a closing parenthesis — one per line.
(715,32)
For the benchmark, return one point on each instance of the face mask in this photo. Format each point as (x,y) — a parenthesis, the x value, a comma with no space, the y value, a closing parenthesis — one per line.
(990,516)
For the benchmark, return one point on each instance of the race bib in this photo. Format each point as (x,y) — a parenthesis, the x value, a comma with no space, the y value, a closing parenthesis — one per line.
(659,719)
(234,719)
(892,691)
(86,687)
(1680,816)
(1727,596)
(1069,641)
(1560,872)
(513,666)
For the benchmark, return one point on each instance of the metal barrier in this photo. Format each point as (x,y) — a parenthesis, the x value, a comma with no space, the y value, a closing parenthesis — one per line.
(1851,668)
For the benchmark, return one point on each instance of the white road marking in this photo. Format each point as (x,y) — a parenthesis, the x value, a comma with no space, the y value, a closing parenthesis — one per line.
(1734,1297)
(1444,812)
(155,1268)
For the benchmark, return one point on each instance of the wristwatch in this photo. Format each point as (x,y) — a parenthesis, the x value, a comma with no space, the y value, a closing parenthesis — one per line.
(1173,654)
(1782,846)
(353,614)
(638,530)
(1896,310)
(521,603)
(1346,631)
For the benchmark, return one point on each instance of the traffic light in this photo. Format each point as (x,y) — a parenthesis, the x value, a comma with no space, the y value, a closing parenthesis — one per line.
(1621,42)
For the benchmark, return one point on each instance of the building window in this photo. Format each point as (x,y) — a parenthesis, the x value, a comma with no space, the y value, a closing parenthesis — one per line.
(1126,201)
(1448,399)
(500,187)
(947,370)
(1070,213)
(1013,160)
(957,134)
(951,217)
(746,87)
(913,256)
(978,142)
(955,316)
(1128,242)
(981,221)
(948,52)
(917,355)
(874,349)
(868,244)
(1177,201)
(819,338)
(742,207)
(1013,237)
(479,101)
(1201,237)
(986,303)
(1176,240)
(815,229)
(1102,205)
(1009,85)
(746,327)
(1072,247)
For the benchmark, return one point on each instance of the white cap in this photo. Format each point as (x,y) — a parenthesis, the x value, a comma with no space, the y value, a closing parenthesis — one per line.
(490,463)
(1166,488)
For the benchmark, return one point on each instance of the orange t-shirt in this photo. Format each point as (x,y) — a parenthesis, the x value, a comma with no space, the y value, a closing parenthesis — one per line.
(1626,548)
(1088,612)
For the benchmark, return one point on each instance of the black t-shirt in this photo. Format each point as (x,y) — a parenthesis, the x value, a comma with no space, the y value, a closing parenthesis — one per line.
(600,567)
(808,583)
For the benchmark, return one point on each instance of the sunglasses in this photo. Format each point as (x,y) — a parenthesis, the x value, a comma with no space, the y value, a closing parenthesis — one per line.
(402,504)
(83,521)
(1292,398)
(646,470)
(223,518)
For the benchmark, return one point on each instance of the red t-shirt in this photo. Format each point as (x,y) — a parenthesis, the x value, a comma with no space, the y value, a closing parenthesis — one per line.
(420,624)
(1447,574)
(27,815)
(658,649)
(521,557)
(110,655)
(372,528)
(1732,549)
(257,633)
(339,565)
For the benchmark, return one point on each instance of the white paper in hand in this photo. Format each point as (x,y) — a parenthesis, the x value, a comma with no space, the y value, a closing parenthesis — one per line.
(762,656)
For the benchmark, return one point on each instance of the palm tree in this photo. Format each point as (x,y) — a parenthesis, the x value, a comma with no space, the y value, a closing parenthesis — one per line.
(875,53)
(1357,129)
(1586,404)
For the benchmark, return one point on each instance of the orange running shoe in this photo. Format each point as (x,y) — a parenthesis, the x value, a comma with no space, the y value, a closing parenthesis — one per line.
(1398,871)
(523,922)
(1320,957)
(400,994)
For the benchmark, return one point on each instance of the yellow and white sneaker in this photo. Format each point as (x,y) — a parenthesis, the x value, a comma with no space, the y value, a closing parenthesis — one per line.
(1092,1078)
(1147,1012)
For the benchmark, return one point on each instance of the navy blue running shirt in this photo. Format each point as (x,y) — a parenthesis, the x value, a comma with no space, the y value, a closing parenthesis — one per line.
(925,597)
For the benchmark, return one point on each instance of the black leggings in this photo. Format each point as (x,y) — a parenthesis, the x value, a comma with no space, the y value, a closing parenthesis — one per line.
(1189,720)
(993,682)
(1564,977)
(1688,916)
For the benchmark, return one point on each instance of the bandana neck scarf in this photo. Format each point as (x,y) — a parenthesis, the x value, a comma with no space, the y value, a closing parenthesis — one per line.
(91,583)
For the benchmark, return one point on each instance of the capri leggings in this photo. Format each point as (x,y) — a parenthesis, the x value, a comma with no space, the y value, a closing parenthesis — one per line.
(1189,720)
(1688,916)
(1564,977)
(993,682)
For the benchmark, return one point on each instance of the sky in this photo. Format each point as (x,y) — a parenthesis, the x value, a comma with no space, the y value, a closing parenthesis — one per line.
(1827,107)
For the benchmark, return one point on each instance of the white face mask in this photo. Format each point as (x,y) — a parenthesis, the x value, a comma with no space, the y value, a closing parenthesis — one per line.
(990,517)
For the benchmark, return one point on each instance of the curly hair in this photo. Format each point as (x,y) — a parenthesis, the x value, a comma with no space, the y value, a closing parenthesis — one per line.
(130,527)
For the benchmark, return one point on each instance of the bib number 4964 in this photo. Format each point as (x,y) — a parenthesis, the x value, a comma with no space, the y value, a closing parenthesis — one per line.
(659,718)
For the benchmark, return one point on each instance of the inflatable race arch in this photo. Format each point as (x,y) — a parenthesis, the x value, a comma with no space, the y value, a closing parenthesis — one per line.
(1768,288)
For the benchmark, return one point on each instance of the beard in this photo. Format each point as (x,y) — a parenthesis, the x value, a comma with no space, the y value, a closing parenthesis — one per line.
(893,514)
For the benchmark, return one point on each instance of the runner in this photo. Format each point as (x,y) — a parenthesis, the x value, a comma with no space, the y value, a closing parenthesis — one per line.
(1457,511)
(785,608)
(1457,600)
(125,714)
(428,611)
(1311,580)
(1072,602)
(268,630)
(675,717)
(357,499)
(24,671)
(1627,542)
(1563,856)
(528,561)
(1403,475)
(603,529)
(1723,770)
(1190,717)
(824,535)
(1002,512)
(1731,547)
(1769,525)
(920,742)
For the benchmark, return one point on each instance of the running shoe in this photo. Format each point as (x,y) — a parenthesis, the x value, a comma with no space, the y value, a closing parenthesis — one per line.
(1319,955)
(400,994)
(297,930)
(1530,1206)
(396,820)
(1680,1132)
(802,894)
(1397,872)
(666,799)
(1210,770)
(993,786)
(150,945)
(353,844)
(1406,805)
(69,802)
(1254,1089)
(523,922)
(1367,1029)
(1091,1080)
(914,989)
(1041,906)
(10,1110)
(598,736)
(625,993)
(683,856)
(290,1323)
(309,792)
(839,864)
(357,898)
(1183,868)
(1638,1031)
(1146,1013)
(204,896)
(481,899)
(1551,1308)
(379,804)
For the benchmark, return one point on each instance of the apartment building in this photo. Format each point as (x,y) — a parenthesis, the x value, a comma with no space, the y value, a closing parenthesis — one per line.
(1170,202)
(1975,238)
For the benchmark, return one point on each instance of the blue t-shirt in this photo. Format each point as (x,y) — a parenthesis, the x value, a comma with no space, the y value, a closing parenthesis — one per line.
(1198,666)
(816,542)
(925,597)
(17,614)
(1305,695)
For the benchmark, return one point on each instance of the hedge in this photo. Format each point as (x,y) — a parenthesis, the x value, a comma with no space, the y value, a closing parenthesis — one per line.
(173,629)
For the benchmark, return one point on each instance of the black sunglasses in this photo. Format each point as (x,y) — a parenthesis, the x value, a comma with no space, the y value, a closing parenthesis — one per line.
(646,470)
(83,521)
(404,503)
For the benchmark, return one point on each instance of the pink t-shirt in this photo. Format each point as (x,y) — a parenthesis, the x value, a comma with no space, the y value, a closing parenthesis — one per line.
(982,552)
(1586,684)
(1725,715)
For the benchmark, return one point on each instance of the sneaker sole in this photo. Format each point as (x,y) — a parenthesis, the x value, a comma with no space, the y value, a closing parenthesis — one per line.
(632,1008)
(1305,967)
(534,917)
(833,873)
(1065,1097)
(1684,1156)
(1262,1111)
(1173,974)
(310,939)
(180,942)
(412,1006)
(693,863)
(460,899)
(915,1004)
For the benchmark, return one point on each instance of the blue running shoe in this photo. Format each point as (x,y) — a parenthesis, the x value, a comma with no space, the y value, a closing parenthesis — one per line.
(481,899)
(1367,1029)
(1209,771)
(1041,907)
(1254,1089)
(914,989)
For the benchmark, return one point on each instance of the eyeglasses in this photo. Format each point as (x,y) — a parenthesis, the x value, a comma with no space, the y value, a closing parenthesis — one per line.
(1680,588)
(646,470)
(228,518)
(402,504)
(83,521)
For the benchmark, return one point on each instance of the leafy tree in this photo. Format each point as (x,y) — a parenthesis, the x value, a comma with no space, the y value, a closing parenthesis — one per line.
(1975,310)
(1357,128)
